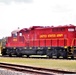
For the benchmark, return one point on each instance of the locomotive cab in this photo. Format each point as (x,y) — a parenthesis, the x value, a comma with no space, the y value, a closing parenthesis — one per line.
(14,44)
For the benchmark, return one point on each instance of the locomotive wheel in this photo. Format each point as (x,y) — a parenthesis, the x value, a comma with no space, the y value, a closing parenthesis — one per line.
(57,56)
(10,55)
(50,56)
(72,57)
(27,56)
(19,55)
(3,52)
(65,55)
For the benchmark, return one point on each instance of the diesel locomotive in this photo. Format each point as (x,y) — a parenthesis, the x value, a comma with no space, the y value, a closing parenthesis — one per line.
(58,41)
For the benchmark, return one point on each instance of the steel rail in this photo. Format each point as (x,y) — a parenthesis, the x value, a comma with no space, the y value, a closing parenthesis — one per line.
(34,70)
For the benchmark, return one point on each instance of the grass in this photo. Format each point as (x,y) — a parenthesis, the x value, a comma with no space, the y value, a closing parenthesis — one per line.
(46,63)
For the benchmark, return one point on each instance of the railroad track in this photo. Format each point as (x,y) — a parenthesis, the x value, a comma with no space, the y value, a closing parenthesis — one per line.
(33,70)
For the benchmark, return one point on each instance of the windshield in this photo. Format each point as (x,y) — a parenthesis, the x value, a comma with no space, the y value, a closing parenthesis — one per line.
(14,34)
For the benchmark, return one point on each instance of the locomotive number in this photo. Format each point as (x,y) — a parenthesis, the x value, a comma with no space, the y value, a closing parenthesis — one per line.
(14,39)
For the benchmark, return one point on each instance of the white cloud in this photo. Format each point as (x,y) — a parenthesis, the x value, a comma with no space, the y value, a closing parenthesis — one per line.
(38,12)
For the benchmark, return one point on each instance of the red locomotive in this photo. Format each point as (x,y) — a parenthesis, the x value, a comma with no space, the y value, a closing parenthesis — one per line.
(39,40)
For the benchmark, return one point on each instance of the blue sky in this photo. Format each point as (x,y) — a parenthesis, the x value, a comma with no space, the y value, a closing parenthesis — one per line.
(26,13)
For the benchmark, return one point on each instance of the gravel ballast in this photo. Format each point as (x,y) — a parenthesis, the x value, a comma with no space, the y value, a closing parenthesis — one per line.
(9,72)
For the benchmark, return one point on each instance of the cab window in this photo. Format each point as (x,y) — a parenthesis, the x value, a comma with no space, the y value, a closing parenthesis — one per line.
(14,34)
(20,34)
